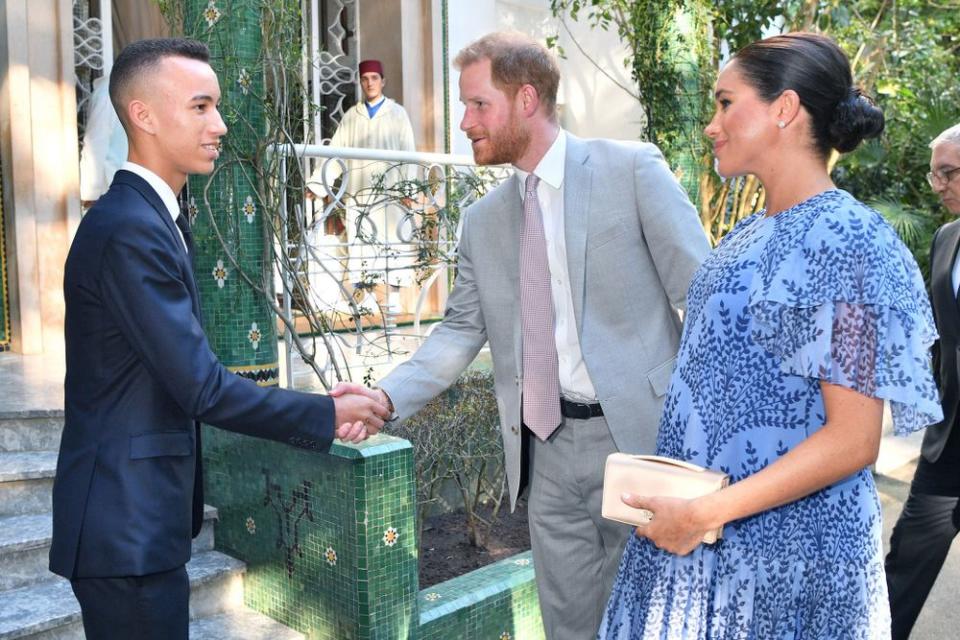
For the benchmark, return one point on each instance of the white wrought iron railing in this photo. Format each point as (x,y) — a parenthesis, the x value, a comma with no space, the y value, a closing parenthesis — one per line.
(92,51)
(379,222)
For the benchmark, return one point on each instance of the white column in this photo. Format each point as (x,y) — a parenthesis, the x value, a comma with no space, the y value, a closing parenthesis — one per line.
(417,57)
(466,22)
(595,84)
(106,20)
(38,140)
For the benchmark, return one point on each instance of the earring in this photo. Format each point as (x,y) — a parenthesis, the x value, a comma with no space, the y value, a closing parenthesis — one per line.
(781,124)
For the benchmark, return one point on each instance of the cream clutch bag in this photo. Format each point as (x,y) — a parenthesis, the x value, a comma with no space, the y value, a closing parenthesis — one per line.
(655,476)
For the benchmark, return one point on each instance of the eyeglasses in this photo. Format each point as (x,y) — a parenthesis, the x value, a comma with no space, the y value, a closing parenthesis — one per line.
(942,177)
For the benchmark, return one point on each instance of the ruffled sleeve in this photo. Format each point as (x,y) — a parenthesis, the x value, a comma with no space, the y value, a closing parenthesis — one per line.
(838,297)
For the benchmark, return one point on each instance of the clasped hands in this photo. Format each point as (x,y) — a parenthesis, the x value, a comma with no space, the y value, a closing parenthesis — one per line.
(360,411)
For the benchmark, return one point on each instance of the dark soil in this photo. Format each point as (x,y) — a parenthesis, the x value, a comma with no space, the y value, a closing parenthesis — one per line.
(445,551)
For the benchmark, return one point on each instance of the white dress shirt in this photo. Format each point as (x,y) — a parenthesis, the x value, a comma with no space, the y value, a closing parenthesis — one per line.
(163,190)
(575,382)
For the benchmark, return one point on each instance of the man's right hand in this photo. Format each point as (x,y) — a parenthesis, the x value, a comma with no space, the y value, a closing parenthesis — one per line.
(379,395)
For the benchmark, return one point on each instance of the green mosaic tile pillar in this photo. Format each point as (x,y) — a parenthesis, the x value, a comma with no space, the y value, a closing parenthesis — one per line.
(225,207)
(329,539)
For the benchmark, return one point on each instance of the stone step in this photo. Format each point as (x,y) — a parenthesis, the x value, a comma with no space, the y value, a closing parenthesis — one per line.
(241,624)
(25,547)
(216,584)
(36,430)
(238,624)
(49,610)
(26,481)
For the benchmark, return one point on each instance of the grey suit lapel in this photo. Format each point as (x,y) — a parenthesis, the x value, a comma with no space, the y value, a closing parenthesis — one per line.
(577,178)
(513,208)
(503,248)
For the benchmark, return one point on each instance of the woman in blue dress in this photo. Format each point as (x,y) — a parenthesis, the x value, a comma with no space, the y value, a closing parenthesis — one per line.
(800,324)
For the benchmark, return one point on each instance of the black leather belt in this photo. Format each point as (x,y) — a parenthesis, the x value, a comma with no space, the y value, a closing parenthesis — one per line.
(579,410)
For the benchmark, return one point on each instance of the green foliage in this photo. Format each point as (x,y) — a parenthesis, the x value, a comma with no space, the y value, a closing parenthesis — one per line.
(914,226)
(740,22)
(905,53)
(456,439)
(659,61)
(915,84)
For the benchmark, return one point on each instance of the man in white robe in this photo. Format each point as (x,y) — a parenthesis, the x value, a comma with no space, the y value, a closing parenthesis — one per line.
(104,145)
(375,215)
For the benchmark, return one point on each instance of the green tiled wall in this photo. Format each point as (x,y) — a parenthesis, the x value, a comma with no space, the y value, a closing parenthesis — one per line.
(498,602)
(331,550)
(329,539)
(225,207)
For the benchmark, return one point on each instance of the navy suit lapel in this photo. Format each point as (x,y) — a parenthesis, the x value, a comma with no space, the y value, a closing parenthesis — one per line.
(577,179)
(156,202)
(952,244)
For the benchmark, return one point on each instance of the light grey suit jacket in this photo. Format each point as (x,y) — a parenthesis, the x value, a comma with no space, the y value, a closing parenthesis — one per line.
(633,243)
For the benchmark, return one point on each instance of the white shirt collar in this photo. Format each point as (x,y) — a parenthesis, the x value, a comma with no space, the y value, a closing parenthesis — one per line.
(551,165)
(163,190)
(373,104)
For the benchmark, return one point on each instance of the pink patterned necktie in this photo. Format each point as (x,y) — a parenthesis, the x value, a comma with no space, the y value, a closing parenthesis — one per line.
(541,378)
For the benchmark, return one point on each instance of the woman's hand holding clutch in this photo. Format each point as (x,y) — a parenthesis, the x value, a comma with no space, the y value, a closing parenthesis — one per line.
(677,525)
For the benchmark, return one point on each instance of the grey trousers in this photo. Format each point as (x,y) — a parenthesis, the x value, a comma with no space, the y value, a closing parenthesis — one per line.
(576,552)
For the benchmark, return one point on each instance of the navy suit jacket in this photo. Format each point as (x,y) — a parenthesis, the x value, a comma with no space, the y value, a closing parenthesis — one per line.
(946,313)
(140,375)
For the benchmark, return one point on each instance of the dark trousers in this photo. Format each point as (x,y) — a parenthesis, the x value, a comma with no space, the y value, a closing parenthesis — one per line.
(919,545)
(151,607)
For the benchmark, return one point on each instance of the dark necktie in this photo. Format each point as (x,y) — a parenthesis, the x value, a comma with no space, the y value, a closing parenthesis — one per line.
(541,379)
(183,223)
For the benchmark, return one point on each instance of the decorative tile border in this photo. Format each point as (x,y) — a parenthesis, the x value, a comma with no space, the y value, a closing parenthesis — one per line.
(264,375)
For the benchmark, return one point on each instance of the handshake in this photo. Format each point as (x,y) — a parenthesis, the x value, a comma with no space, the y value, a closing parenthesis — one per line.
(360,411)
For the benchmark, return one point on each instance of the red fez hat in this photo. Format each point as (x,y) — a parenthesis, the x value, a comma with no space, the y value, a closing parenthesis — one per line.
(371,66)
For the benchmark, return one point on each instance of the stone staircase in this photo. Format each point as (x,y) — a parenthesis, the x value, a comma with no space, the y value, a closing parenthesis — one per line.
(37,604)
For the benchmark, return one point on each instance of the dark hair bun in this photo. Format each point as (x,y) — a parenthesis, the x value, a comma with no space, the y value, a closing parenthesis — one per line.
(819,71)
(855,119)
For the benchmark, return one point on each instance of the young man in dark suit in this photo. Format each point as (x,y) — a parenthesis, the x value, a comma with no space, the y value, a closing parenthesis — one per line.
(931,516)
(128,494)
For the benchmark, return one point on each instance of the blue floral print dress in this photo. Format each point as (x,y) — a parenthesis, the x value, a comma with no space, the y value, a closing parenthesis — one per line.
(824,291)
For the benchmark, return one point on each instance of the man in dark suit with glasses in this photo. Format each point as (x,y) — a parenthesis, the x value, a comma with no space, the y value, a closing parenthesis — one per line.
(931,516)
